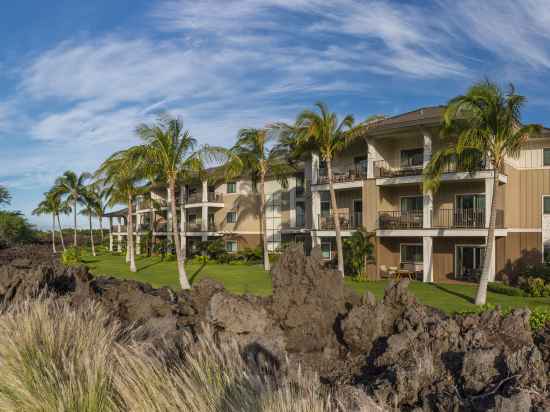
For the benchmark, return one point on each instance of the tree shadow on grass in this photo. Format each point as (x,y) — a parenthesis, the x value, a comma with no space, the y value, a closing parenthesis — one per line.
(467,298)
(194,275)
(149,265)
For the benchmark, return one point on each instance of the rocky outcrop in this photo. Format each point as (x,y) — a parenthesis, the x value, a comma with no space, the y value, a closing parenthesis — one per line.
(394,352)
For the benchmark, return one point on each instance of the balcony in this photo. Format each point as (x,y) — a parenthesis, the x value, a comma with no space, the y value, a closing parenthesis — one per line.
(197,227)
(347,222)
(143,204)
(393,219)
(212,197)
(161,228)
(351,175)
(464,219)
(383,169)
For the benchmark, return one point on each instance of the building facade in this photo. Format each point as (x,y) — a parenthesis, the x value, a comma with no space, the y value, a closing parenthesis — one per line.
(379,186)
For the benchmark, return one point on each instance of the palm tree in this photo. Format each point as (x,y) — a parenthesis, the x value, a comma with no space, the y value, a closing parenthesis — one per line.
(121,174)
(61,208)
(90,200)
(46,207)
(487,122)
(101,204)
(253,156)
(73,187)
(169,152)
(321,131)
(5,196)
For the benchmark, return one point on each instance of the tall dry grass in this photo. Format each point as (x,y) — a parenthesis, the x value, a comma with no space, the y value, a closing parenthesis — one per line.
(54,357)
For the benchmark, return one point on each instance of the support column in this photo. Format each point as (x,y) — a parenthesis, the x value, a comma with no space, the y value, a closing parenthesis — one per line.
(292,194)
(205,191)
(427,256)
(315,211)
(427,209)
(314,168)
(119,243)
(204,222)
(168,217)
(110,234)
(372,156)
(138,244)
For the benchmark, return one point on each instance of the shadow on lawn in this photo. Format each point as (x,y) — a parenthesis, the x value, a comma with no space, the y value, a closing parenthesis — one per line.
(149,265)
(194,275)
(467,298)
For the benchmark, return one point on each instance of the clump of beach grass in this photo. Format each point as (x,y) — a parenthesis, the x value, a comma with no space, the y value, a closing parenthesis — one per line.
(58,357)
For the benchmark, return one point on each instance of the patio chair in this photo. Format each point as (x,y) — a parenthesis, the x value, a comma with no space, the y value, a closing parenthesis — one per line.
(386,272)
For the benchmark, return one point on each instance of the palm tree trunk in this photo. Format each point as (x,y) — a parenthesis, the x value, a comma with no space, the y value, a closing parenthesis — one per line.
(74,240)
(53,233)
(339,248)
(184,282)
(481,295)
(60,232)
(101,229)
(130,236)
(92,235)
(264,222)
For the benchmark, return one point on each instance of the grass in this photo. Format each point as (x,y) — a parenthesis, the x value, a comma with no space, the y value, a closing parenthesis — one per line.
(253,279)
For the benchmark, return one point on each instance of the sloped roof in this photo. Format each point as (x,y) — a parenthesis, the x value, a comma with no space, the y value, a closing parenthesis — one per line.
(117,213)
(423,115)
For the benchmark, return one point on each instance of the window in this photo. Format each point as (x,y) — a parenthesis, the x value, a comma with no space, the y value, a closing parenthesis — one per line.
(412,157)
(192,219)
(546,157)
(326,248)
(411,253)
(322,168)
(231,217)
(361,164)
(411,203)
(300,214)
(300,184)
(231,187)
(231,246)
(325,203)
(470,202)
(547,205)
(546,255)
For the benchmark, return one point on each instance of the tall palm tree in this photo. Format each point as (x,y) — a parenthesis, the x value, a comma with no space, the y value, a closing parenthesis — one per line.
(254,156)
(101,204)
(61,207)
(486,122)
(5,196)
(122,174)
(90,200)
(322,132)
(73,187)
(46,207)
(170,151)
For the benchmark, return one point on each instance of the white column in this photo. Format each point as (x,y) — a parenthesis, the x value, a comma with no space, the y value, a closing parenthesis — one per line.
(427,257)
(427,208)
(204,219)
(315,211)
(110,242)
(205,191)
(292,206)
(138,244)
(314,168)
(168,216)
(119,244)
(488,199)
(373,156)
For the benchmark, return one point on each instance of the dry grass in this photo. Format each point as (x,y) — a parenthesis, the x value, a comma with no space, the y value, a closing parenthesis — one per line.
(54,357)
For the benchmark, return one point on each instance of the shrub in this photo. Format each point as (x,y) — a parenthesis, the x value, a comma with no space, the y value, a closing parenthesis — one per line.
(505,289)
(55,357)
(71,256)
(539,318)
(358,250)
(251,255)
(535,287)
(199,260)
(14,229)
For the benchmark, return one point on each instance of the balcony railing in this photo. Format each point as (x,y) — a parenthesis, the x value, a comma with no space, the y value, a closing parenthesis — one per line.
(193,227)
(161,228)
(351,175)
(383,169)
(464,218)
(300,220)
(347,222)
(211,197)
(143,204)
(394,219)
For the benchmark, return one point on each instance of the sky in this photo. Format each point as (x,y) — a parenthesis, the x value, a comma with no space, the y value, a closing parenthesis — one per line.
(77,77)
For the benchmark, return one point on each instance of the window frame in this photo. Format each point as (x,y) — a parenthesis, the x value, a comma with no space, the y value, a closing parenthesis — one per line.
(418,151)
(544,198)
(323,242)
(544,151)
(232,213)
(232,184)
(233,242)
(411,197)
(401,245)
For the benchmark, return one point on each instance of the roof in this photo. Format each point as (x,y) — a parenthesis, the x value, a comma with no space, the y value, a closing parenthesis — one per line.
(117,213)
(423,115)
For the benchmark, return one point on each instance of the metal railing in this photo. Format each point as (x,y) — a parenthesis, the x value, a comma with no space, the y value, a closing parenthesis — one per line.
(464,218)
(211,197)
(347,221)
(351,175)
(193,227)
(383,169)
(394,219)
(455,167)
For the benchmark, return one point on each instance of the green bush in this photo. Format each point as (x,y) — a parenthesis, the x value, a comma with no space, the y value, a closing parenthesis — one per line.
(535,287)
(251,255)
(539,318)
(14,229)
(358,250)
(503,289)
(71,256)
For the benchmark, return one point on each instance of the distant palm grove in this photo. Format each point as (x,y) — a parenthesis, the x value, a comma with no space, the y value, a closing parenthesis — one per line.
(486,120)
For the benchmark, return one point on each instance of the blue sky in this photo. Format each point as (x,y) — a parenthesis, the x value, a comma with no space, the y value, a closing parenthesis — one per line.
(76,77)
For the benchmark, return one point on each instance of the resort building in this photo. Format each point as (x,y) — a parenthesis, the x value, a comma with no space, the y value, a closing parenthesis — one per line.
(379,186)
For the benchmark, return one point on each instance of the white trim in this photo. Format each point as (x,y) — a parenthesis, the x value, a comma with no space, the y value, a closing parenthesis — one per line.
(524,230)
(445,177)
(438,232)
(338,185)
(331,233)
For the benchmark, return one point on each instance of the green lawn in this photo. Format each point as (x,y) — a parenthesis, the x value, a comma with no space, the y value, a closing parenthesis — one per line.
(253,279)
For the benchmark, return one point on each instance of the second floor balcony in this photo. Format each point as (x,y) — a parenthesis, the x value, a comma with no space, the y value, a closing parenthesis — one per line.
(343,176)
(347,221)
(440,219)
(197,227)
(384,169)
(211,197)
